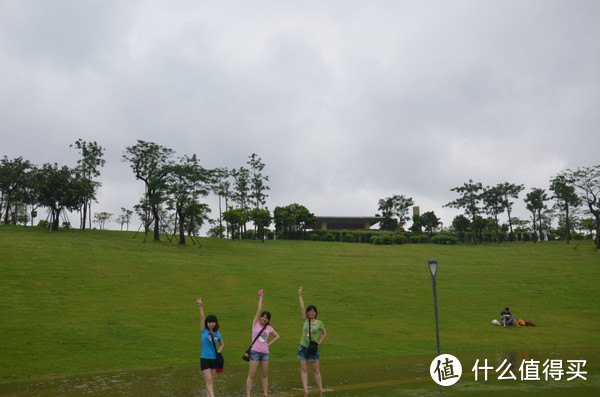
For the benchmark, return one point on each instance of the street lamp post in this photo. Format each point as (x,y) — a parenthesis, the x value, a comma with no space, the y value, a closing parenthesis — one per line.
(433,265)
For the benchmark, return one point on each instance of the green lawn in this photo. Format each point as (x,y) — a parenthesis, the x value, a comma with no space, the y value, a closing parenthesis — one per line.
(90,301)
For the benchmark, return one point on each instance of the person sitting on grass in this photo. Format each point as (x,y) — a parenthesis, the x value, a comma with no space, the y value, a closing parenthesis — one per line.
(507,318)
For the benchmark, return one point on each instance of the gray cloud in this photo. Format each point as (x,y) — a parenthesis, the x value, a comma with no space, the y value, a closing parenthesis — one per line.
(347,102)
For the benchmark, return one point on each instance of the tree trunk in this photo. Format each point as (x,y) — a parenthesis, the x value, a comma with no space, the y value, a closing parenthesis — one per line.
(220,219)
(7,210)
(497,231)
(90,213)
(512,233)
(568,225)
(597,216)
(181,229)
(540,222)
(534,228)
(474,227)
(156,223)
(56,218)
(84,216)
(15,214)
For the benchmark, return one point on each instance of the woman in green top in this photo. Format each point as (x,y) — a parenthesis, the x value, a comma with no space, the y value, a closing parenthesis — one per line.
(317,333)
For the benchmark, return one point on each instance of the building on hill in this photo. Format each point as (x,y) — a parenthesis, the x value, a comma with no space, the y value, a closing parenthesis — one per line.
(345,222)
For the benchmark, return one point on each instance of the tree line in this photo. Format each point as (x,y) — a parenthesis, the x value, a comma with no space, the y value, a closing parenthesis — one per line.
(174,190)
(172,198)
(572,193)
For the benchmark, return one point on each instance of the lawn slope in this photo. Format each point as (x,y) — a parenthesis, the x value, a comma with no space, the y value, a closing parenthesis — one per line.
(86,301)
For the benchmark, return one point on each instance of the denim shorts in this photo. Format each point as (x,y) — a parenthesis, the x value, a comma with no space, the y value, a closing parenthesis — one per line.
(303,354)
(257,356)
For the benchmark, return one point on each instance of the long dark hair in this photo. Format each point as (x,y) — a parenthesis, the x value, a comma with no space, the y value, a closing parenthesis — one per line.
(211,318)
(268,314)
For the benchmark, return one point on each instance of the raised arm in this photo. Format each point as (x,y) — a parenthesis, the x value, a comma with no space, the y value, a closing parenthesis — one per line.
(200,306)
(260,301)
(302,309)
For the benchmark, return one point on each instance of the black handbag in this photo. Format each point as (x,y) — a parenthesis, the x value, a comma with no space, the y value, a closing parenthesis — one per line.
(220,360)
(246,355)
(312,345)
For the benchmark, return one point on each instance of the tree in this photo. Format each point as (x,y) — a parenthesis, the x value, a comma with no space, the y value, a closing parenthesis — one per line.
(144,212)
(522,228)
(221,188)
(588,225)
(429,222)
(510,191)
(101,218)
(235,217)
(58,189)
(124,218)
(283,220)
(261,217)
(469,201)
(494,204)
(461,225)
(257,179)
(88,168)
(417,225)
(394,212)
(186,183)
(535,203)
(241,191)
(28,194)
(13,177)
(303,217)
(566,199)
(292,217)
(151,163)
(587,181)
(196,216)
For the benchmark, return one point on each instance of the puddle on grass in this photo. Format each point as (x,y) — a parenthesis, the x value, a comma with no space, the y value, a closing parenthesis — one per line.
(389,376)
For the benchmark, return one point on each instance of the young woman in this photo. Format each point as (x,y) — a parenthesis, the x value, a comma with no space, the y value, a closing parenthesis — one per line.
(211,337)
(317,333)
(259,352)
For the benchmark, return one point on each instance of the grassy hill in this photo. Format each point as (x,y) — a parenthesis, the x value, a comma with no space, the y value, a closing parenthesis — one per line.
(87,301)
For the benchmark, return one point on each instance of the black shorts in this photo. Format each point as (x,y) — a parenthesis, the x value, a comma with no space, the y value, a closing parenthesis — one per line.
(208,363)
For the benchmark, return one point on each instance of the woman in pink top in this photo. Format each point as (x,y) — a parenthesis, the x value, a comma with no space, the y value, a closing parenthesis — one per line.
(259,352)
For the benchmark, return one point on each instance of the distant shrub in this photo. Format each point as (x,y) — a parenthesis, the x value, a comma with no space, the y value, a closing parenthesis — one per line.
(445,239)
(399,238)
(43,223)
(349,237)
(385,239)
(419,239)
(328,237)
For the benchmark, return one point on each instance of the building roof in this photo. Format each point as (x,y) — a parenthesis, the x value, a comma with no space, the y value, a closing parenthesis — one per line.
(345,222)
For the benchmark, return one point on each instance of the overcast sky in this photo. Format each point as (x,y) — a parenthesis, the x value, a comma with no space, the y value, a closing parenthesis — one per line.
(346,102)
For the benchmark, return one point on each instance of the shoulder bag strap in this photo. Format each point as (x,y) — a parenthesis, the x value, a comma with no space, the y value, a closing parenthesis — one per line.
(257,335)
(213,341)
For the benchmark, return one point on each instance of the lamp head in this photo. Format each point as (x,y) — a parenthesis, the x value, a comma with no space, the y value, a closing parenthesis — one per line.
(433,265)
